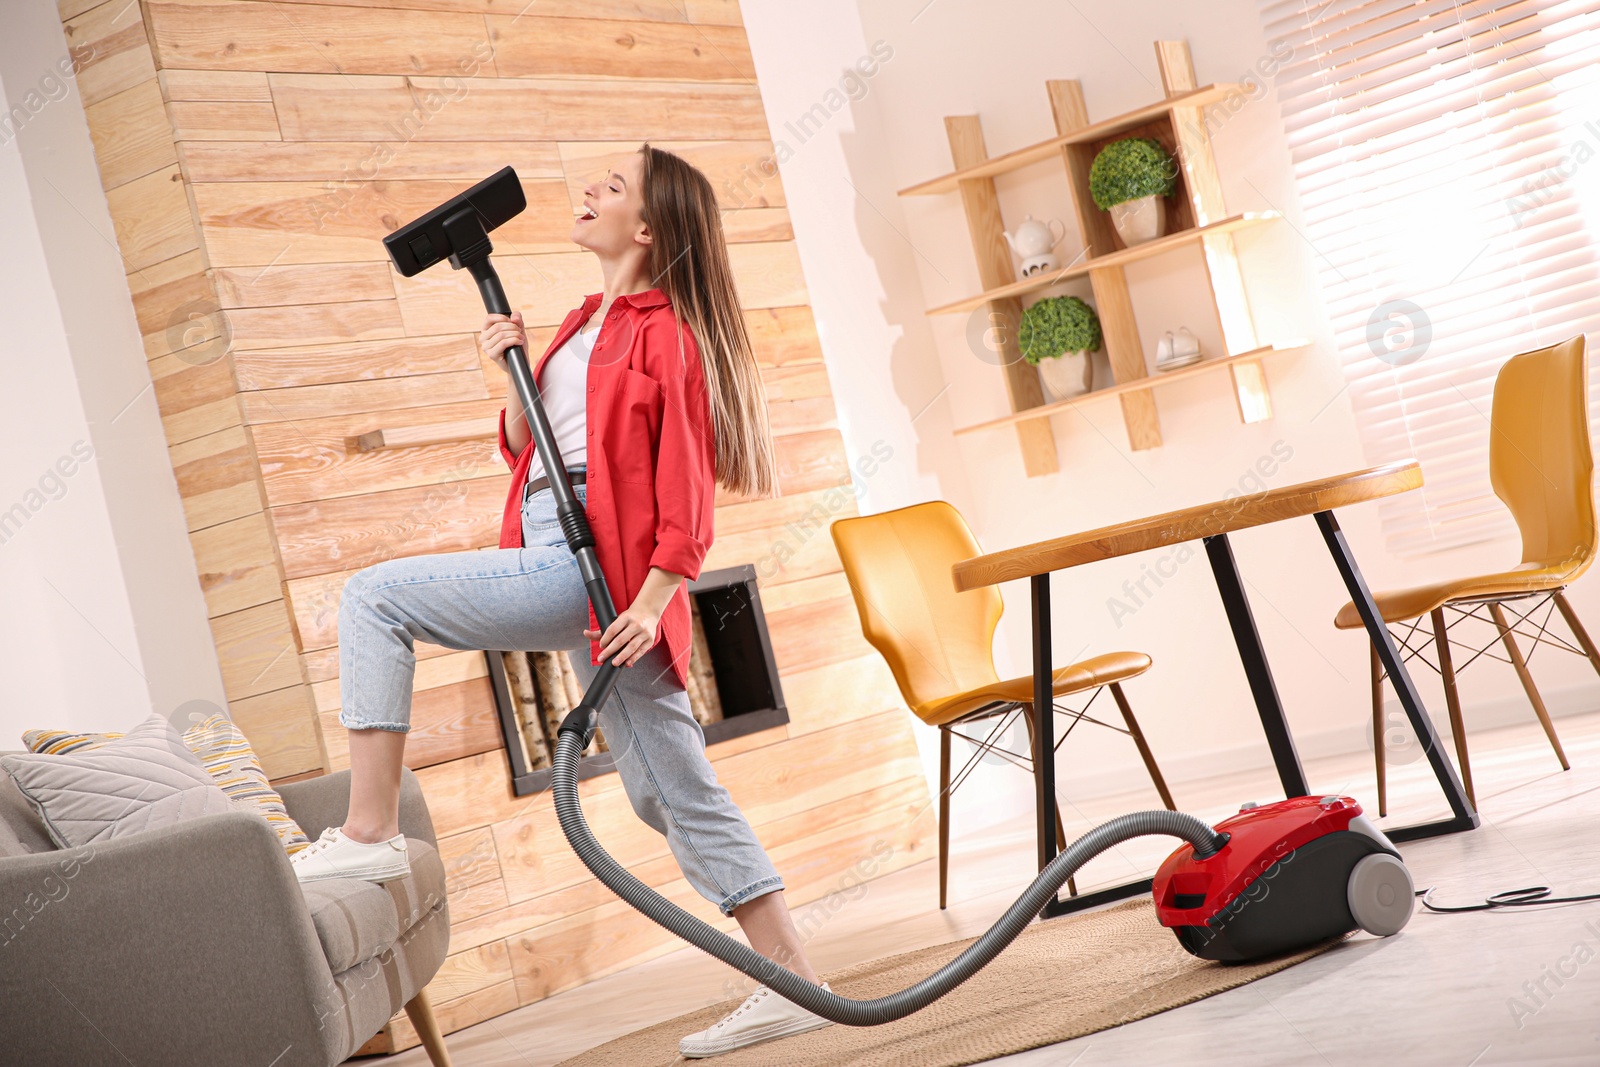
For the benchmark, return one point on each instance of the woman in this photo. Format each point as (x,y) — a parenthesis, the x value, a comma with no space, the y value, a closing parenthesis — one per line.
(649,410)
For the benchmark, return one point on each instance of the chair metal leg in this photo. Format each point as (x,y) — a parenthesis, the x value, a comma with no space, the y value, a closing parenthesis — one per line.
(1527,681)
(1441,641)
(1061,831)
(944,812)
(1577,629)
(1144,749)
(420,1011)
(1379,731)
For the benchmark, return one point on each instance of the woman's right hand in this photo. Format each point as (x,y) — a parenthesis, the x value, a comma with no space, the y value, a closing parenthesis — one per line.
(500,332)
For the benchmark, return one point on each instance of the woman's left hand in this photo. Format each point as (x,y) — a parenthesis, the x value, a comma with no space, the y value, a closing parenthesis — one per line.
(631,634)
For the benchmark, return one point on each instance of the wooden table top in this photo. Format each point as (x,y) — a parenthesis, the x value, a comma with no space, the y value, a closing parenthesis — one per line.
(1175,527)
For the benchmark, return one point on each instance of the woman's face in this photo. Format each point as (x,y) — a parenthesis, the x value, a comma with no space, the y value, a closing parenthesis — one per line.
(611,222)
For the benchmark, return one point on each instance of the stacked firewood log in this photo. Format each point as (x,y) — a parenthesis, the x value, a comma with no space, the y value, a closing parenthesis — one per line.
(545,687)
(704,700)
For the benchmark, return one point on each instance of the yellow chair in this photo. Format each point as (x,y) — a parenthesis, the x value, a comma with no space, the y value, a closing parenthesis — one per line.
(939,643)
(1541,468)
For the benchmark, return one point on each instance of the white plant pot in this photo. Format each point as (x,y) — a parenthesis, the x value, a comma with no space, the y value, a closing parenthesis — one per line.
(1067,375)
(1141,220)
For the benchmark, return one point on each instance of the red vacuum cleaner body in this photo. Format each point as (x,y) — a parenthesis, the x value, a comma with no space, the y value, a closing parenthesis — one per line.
(1292,874)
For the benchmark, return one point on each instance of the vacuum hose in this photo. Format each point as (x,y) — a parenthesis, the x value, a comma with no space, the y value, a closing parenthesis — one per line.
(573,738)
(459,229)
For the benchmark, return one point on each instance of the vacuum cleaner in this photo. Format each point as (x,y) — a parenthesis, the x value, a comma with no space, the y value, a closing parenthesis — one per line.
(1272,879)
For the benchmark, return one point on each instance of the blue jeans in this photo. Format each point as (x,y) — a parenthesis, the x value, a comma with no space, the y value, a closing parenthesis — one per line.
(532,599)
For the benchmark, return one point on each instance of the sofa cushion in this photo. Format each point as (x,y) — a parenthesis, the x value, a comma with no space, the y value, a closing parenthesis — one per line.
(225,752)
(356,920)
(22,832)
(143,780)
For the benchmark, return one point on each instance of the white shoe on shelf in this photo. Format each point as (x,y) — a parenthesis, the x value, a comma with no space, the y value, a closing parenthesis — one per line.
(333,855)
(764,1016)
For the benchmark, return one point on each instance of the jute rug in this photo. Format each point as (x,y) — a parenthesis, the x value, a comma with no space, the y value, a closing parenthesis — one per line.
(1061,979)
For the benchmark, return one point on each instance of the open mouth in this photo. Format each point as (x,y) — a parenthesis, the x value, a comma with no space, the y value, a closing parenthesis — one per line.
(588,215)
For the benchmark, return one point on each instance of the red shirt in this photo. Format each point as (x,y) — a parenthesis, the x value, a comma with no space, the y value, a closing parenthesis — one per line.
(650,457)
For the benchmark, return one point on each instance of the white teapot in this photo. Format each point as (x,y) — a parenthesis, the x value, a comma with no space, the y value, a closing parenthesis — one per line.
(1034,242)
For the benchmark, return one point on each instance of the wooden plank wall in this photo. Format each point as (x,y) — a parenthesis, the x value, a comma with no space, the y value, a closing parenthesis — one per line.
(253,154)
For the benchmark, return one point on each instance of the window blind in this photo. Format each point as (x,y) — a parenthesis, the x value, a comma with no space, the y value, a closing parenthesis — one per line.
(1447,156)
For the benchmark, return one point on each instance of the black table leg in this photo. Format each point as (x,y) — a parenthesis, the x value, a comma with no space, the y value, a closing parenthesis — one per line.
(1254,658)
(1044,776)
(1044,764)
(1465,817)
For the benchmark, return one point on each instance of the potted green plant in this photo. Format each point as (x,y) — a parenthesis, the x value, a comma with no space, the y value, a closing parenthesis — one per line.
(1056,335)
(1126,178)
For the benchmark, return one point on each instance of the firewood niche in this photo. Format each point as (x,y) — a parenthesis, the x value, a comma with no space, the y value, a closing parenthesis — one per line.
(733,682)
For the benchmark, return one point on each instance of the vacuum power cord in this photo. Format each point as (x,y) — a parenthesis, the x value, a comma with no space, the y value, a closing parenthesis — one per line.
(1533,895)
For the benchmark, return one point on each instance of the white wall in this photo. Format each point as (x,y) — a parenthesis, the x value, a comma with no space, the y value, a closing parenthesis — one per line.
(104,620)
(874,261)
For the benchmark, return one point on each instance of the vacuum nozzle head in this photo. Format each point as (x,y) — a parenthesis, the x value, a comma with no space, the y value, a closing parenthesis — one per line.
(418,245)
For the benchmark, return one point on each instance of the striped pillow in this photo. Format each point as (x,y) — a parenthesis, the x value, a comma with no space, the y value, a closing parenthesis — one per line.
(228,757)
(60,742)
(226,753)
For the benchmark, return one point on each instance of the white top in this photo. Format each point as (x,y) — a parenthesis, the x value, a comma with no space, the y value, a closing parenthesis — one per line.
(563,392)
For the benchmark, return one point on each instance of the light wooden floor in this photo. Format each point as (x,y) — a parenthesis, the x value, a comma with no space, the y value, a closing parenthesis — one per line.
(1443,992)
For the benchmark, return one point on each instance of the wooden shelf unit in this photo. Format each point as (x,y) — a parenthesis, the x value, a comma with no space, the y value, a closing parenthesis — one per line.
(1204,366)
(1080,267)
(1044,150)
(1196,214)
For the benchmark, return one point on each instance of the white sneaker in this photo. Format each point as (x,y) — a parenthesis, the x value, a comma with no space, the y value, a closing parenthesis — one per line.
(333,855)
(764,1016)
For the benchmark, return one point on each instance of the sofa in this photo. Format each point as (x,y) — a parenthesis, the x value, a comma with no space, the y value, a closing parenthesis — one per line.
(194,943)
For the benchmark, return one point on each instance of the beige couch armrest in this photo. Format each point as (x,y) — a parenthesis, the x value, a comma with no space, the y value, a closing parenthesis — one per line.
(186,944)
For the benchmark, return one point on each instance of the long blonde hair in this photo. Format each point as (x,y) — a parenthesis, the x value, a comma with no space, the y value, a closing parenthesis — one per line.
(689,263)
